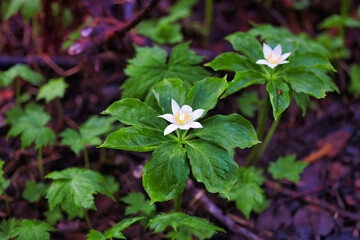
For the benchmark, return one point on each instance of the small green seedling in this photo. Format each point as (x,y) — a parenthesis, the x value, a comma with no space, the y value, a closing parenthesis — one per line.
(16,73)
(89,134)
(54,89)
(287,168)
(34,191)
(4,184)
(6,226)
(73,188)
(354,86)
(204,150)
(247,192)
(167,29)
(150,66)
(31,229)
(30,123)
(183,225)
(113,232)
(138,204)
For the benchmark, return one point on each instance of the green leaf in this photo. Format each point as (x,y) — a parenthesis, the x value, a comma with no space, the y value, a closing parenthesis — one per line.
(31,9)
(301,100)
(149,67)
(34,191)
(73,189)
(31,229)
(247,192)
(354,86)
(279,96)
(248,103)
(165,29)
(166,173)
(13,8)
(6,226)
(95,235)
(197,226)
(137,203)
(310,60)
(306,82)
(111,185)
(55,88)
(4,184)
(115,231)
(169,89)
(287,168)
(333,21)
(228,131)
(212,165)
(205,93)
(230,61)
(135,139)
(246,44)
(30,123)
(131,111)
(243,80)
(54,216)
(89,133)
(22,71)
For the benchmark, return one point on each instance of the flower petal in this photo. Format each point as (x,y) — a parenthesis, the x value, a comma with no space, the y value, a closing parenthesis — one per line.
(267,50)
(196,114)
(168,117)
(272,65)
(283,62)
(175,107)
(186,108)
(277,50)
(170,129)
(195,125)
(185,127)
(285,56)
(262,61)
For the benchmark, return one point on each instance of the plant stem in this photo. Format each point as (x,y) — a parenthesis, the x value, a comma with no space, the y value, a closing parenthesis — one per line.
(261,128)
(17,91)
(177,203)
(267,140)
(344,15)
(59,108)
(7,203)
(87,219)
(209,8)
(86,158)
(41,169)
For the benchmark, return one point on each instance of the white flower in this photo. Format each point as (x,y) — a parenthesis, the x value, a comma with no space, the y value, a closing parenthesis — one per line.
(273,57)
(182,118)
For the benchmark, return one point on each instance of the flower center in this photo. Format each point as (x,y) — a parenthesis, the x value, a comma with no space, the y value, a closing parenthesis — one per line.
(182,118)
(273,59)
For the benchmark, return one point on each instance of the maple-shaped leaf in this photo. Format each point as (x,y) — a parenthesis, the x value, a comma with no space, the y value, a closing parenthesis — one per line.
(3,182)
(73,190)
(89,133)
(150,66)
(197,226)
(30,124)
(22,71)
(287,168)
(138,203)
(247,192)
(34,191)
(55,88)
(6,226)
(113,232)
(31,229)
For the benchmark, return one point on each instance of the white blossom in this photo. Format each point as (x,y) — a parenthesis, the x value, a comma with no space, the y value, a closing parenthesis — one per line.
(273,57)
(182,118)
